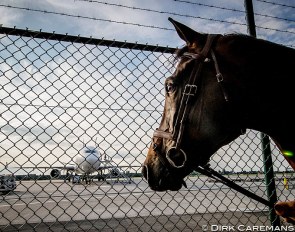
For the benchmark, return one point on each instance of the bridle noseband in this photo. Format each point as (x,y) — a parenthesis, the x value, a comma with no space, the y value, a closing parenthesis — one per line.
(189,92)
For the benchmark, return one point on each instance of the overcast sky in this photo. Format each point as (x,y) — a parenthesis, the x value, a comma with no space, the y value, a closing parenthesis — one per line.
(128,20)
(133,20)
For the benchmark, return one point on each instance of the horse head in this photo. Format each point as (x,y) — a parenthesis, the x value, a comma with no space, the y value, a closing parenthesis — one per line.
(197,118)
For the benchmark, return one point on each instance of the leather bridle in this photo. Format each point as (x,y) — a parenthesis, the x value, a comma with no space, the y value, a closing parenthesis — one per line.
(189,92)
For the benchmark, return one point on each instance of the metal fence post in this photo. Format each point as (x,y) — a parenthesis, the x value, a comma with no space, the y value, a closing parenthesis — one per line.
(267,159)
(250,17)
(269,178)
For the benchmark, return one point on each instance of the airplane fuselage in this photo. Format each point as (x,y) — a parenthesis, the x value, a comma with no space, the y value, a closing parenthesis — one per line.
(88,161)
(87,164)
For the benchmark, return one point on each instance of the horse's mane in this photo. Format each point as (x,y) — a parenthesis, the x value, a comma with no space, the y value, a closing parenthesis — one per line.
(179,52)
(247,42)
(252,43)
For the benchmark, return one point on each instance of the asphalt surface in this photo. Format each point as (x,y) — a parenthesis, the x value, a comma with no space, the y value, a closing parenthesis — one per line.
(58,206)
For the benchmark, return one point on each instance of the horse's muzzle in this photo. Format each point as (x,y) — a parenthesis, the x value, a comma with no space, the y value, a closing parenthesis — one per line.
(163,180)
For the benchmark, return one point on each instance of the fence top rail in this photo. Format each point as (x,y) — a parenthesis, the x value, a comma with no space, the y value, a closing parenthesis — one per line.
(84,40)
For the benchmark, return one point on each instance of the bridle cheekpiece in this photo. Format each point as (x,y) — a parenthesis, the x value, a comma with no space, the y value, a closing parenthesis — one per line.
(189,92)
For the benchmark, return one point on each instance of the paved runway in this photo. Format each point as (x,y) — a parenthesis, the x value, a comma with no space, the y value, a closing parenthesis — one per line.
(52,201)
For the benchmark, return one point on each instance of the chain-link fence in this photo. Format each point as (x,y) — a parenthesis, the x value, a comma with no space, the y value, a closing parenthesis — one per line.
(63,96)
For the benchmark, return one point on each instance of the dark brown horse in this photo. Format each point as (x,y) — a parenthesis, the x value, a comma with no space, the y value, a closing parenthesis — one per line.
(222,85)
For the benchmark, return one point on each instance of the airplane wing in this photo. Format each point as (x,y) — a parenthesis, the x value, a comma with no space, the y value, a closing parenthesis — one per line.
(55,170)
(67,167)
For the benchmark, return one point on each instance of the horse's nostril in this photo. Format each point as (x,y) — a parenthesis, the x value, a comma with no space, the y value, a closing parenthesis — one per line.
(144,171)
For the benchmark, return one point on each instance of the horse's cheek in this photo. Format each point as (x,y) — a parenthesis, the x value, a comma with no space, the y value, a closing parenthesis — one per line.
(151,157)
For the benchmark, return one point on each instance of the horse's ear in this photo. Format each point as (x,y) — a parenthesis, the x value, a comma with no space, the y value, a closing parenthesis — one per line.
(187,34)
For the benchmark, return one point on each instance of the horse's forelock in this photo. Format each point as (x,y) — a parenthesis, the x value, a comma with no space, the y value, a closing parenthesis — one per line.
(179,52)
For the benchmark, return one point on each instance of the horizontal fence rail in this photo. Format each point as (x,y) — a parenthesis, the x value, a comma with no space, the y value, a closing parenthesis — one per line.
(66,98)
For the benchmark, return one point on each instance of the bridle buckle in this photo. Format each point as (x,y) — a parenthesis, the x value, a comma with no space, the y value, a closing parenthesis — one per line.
(190,90)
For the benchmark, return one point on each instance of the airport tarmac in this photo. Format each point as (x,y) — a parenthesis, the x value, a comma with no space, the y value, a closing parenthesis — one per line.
(43,205)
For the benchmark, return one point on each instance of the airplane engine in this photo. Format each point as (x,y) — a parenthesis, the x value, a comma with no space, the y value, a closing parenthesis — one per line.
(55,173)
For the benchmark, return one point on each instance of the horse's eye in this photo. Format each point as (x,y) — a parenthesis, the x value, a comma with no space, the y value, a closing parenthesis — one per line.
(170,87)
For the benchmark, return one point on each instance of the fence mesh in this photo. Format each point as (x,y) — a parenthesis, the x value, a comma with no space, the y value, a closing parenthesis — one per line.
(61,96)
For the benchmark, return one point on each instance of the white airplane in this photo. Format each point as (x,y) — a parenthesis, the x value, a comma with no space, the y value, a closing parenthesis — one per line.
(86,163)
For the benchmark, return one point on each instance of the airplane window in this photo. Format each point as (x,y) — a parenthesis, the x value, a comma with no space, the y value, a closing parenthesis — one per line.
(90,151)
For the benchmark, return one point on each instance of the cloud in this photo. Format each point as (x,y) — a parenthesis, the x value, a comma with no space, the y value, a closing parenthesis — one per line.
(70,92)
(122,23)
(10,17)
(58,94)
